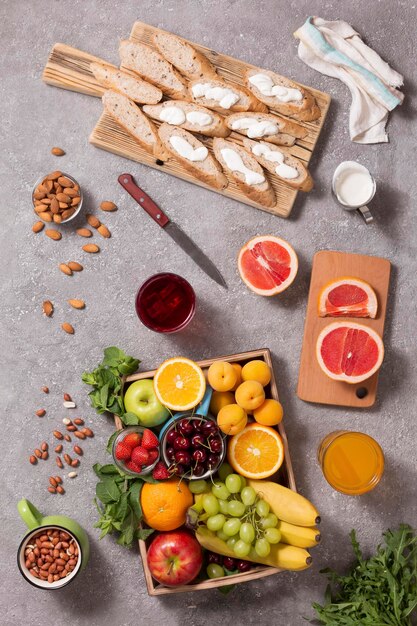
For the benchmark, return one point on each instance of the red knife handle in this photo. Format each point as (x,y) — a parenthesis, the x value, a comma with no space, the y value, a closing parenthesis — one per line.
(142,198)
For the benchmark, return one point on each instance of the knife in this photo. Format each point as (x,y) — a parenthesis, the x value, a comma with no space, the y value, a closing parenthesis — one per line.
(178,235)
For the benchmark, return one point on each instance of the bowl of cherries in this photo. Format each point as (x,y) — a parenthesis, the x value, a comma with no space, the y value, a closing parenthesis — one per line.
(192,446)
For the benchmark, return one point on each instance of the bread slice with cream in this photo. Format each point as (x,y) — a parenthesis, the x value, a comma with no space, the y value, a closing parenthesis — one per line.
(131,86)
(268,127)
(245,170)
(128,115)
(193,155)
(183,56)
(280,162)
(154,68)
(223,97)
(190,116)
(282,95)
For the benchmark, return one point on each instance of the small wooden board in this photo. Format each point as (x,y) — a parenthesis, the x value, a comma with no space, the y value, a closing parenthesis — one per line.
(69,68)
(285,476)
(313,384)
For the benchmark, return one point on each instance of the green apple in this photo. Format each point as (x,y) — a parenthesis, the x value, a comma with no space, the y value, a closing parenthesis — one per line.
(141,400)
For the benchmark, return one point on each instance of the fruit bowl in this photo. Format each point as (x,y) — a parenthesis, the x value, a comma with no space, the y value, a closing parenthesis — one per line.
(121,464)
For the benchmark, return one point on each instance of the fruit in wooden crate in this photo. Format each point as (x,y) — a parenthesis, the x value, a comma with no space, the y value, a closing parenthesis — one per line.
(174,558)
(301,536)
(232,419)
(219,399)
(256,452)
(238,369)
(270,413)
(250,395)
(222,376)
(140,399)
(289,506)
(349,351)
(257,370)
(179,384)
(347,297)
(164,505)
(267,265)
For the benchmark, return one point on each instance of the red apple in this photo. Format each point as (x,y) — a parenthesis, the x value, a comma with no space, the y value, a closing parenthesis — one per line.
(175,558)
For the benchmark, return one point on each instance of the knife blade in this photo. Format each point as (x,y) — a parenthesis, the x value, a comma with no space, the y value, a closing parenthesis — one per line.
(174,231)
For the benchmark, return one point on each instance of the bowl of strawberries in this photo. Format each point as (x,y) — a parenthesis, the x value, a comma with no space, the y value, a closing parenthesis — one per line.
(136,450)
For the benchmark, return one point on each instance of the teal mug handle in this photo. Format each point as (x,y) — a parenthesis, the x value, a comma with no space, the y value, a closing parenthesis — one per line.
(29,513)
(203,407)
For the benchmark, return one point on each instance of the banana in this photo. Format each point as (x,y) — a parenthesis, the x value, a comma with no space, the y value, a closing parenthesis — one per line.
(287,505)
(301,536)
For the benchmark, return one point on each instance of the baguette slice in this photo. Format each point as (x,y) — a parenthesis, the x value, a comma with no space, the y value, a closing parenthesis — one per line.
(154,68)
(303,181)
(284,127)
(128,115)
(246,102)
(183,56)
(216,128)
(305,110)
(261,192)
(133,87)
(208,170)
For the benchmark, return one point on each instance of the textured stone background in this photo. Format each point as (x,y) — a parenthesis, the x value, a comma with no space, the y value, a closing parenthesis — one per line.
(36,352)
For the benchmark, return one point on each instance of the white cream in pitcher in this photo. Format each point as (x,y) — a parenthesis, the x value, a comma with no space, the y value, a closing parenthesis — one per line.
(282,169)
(234,162)
(353,184)
(266,86)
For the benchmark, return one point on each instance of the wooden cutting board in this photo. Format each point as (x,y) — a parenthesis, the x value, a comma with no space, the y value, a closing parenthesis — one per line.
(313,384)
(69,68)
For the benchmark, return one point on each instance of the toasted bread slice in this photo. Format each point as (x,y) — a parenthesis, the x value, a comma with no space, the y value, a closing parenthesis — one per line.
(229,97)
(189,116)
(183,56)
(295,101)
(253,182)
(289,169)
(154,68)
(128,115)
(133,87)
(206,168)
(263,125)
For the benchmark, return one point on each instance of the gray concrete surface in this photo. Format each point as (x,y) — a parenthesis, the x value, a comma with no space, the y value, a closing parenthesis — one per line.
(36,352)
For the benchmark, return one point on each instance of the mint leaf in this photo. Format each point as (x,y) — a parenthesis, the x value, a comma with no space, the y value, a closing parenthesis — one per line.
(112,437)
(134,498)
(130,419)
(113,355)
(144,533)
(107,491)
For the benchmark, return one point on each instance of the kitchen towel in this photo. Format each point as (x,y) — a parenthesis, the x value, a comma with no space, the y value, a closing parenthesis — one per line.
(336,49)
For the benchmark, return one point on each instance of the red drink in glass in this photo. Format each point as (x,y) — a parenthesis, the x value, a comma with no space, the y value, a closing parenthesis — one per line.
(165,303)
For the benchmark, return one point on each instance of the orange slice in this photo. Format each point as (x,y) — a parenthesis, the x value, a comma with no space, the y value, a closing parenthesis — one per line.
(256,452)
(179,384)
(347,297)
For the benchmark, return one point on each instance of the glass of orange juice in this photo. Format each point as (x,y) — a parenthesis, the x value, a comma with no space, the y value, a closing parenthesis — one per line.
(352,462)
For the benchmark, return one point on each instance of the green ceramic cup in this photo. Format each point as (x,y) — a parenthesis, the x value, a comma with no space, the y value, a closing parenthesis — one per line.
(36,522)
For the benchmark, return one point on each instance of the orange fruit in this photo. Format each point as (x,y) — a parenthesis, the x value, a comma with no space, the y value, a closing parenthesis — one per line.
(222,376)
(257,452)
(238,369)
(164,505)
(232,419)
(347,297)
(179,384)
(349,351)
(267,265)
(257,370)
(270,413)
(249,395)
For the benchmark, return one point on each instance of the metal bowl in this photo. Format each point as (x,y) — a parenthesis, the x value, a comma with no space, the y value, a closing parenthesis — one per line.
(121,464)
(77,210)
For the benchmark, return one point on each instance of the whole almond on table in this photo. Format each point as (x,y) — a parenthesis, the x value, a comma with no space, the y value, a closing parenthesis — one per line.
(38,226)
(75,267)
(68,328)
(82,232)
(77,304)
(106,205)
(104,231)
(93,220)
(92,248)
(57,151)
(48,308)
(65,269)
(53,234)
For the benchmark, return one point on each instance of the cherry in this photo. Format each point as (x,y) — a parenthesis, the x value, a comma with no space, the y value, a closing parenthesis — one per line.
(215,444)
(181,443)
(243,566)
(170,452)
(213,460)
(209,428)
(183,457)
(171,436)
(177,470)
(212,557)
(198,424)
(199,469)
(199,455)
(198,441)
(185,427)
(229,563)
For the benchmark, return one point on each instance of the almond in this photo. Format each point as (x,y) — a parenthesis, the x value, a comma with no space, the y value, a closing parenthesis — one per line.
(106,205)
(57,151)
(66,269)
(104,231)
(62,197)
(45,216)
(53,234)
(83,232)
(71,192)
(63,206)
(48,308)
(67,328)
(75,267)
(67,214)
(57,218)
(47,201)
(54,205)
(38,195)
(40,208)
(75,201)
(54,175)
(91,247)
(77,304)
(92,220)
(65,182)
(38,226)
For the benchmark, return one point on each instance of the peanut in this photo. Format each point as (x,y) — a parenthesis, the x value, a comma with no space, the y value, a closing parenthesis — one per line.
(57,434)
(45,455)
(79,421)
(78,450)
(40,412)
(33,460)
(58,449)
(88,432)
(44,446)
(79,434)
(59,462)
(77,304)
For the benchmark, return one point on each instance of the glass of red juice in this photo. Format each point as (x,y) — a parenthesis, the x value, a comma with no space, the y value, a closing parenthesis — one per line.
(165,303)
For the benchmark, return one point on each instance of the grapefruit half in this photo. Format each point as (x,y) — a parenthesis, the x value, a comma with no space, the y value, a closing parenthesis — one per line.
(347,297)
(267,265)
(349,351)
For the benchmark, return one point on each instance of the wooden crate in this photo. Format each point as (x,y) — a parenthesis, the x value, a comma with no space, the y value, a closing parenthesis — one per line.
(284,476)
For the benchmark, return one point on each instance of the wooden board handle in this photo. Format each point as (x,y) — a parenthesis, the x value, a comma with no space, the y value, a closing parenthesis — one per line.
(142,198)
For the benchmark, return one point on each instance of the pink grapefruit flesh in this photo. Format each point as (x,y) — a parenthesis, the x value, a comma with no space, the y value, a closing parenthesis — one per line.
(347,297)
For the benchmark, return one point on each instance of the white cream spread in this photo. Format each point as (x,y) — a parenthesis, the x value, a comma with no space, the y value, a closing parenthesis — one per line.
(282,169)
(266,86)
(185,149)
(199,118)
(223,95)
(254,127)
(353,184)
(234,162)
(172,115)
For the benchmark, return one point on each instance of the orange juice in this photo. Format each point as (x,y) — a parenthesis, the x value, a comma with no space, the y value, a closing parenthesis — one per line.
(352,462)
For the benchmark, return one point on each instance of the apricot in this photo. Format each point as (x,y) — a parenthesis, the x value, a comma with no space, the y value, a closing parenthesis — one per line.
(219,399)
(250,395)
(257,370)
(238,369)
(222,376)
(232,419)
(270,413)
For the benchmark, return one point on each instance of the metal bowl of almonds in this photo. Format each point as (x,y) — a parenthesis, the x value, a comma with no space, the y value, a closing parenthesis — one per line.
(57,197)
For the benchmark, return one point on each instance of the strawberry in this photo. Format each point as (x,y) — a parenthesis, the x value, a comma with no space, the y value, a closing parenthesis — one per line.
(132,440)
(140,455)
(122,451)
(153,455)
(149,439)
(160,471)
(133,467)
